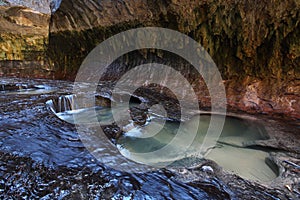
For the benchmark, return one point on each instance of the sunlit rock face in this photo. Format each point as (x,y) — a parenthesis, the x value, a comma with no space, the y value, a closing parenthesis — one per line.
(24,37)
(23,40)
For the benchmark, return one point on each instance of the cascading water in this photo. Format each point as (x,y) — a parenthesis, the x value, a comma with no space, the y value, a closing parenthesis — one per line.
(71,107)
(62,104)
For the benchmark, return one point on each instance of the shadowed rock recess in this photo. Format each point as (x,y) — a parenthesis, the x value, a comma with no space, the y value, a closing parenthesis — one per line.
(254,44)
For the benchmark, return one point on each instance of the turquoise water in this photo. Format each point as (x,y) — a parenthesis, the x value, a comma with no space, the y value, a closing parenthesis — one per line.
(229,151)
(160,142)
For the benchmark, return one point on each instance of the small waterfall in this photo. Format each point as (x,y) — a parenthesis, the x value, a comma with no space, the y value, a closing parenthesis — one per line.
(62,103)
(66,103)
(86,108)
(73,102)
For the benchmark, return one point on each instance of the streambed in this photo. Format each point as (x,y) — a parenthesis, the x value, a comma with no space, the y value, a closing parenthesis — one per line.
(34,142)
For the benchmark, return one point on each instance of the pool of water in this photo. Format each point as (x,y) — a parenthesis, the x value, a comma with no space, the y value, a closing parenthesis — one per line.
(43,157)
(230,150)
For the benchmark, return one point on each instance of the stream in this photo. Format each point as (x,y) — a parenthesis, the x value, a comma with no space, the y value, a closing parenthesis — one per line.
(43,157)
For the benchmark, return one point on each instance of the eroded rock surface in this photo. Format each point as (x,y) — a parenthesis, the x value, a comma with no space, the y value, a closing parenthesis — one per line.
(255,45)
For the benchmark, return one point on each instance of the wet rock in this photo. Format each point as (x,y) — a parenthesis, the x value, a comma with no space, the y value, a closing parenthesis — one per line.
(233,187)
(22,178)
(41,157)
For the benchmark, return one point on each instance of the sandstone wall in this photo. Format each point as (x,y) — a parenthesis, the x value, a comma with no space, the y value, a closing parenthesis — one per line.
(24,36)
(255,43)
